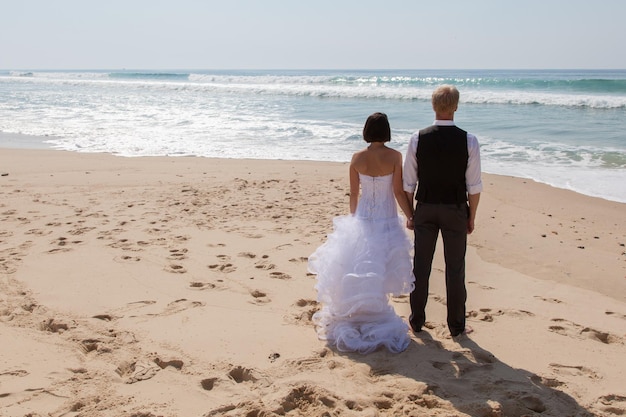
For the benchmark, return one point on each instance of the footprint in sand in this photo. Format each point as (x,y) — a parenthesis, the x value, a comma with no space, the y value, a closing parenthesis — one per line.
(53,326)
(135,305)
(180,305)
(484,314)
(177,254)
(481,286)
(438,298)
(317,400)
(259,297)
(402,298)
(308,308)
(238,374)
(174,363)
(548,382)
(175,269)
(458,368)
(124,244)
(476,356)
(133,372)
(62,244)
(127,259)
(144,302)
(518,313)
(104,317)
(310,397)
(576,331)
(61,241)
(106,234)
(241,374)
(253,236)
(17,372)
(208,383)
(59,250)
(172,308)
(487,314)
(89,345)
(279,275)
(155,231)
(80,230)
(613,404)
(201,285)
(549,300)
(613,314)
(300,259)
(6,266)
(323,358)
(302,399)
(38,232)
(226,267)
(435,333)
(9,212)
(273,356)
(264,265)
(574,370)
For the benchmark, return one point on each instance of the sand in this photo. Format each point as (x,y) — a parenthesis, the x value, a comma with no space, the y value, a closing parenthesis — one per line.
(178,287)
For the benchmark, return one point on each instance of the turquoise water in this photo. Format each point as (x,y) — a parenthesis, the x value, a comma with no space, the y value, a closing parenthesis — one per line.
(564,128)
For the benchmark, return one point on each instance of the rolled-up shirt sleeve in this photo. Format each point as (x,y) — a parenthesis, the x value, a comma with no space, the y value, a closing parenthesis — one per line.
(473,179)
(409,174)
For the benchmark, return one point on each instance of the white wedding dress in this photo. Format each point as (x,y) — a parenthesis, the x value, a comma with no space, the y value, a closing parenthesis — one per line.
(364,260)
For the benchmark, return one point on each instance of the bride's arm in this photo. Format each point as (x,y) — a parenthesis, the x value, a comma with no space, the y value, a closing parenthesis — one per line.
(354,189)
(398,190)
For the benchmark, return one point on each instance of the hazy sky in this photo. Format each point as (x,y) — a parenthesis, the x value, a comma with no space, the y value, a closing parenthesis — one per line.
(298,34)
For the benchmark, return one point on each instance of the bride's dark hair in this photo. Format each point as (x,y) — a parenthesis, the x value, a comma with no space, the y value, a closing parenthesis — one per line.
(377,128)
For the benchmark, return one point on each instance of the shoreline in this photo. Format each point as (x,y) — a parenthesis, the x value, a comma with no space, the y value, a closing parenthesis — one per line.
(26,142)
(178,286)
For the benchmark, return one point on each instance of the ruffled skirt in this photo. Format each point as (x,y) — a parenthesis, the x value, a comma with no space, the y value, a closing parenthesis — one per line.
(359,266)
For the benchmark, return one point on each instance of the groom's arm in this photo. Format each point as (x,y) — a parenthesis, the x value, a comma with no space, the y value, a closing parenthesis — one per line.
(473,200)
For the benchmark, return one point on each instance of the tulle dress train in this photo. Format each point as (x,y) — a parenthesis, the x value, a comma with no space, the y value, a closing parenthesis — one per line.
(364,260)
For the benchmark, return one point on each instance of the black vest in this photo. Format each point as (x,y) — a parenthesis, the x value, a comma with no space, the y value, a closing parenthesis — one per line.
(441,164)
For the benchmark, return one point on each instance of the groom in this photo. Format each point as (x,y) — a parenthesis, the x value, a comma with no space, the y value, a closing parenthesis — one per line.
(443,161)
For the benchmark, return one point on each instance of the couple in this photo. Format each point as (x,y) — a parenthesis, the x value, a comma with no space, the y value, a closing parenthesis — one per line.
(367,256)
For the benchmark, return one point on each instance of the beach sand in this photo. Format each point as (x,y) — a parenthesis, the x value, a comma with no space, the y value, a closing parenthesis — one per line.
(178,287)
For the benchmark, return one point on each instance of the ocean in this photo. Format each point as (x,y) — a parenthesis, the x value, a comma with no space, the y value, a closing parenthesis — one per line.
(566,128)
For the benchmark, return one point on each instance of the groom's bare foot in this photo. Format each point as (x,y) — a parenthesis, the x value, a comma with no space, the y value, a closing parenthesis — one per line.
(415,327)
(465,332)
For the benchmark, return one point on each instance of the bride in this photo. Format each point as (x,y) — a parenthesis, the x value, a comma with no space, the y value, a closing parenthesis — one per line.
(367,256)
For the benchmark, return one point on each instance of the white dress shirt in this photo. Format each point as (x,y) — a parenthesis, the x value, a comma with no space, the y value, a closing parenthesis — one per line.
(473,180)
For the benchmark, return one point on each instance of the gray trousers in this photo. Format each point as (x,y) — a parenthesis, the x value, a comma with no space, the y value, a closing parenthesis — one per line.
(451,220)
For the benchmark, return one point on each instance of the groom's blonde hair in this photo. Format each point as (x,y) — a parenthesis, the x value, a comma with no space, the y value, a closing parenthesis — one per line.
(445,99)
